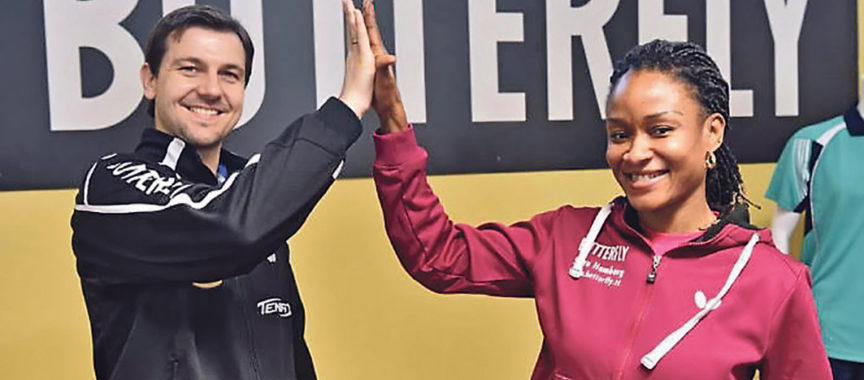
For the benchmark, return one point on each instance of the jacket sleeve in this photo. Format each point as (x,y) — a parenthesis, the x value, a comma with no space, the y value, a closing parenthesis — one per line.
(137,221)
(795,349)
(444,256)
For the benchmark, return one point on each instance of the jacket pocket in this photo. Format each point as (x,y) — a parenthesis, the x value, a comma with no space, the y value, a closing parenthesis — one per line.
(173,368)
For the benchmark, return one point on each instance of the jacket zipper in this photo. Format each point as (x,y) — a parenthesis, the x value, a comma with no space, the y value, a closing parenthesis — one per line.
(253,355)
(652,276)
(649,292)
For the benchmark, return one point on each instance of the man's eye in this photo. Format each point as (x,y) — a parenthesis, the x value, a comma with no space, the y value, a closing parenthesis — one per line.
(188,69)
(231,75)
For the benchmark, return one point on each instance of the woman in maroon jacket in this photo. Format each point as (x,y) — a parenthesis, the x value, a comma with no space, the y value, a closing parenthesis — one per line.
(669,282)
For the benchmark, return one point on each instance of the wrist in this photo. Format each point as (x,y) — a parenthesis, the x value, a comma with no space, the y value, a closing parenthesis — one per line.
(391,124)
(354,105)
(391,113)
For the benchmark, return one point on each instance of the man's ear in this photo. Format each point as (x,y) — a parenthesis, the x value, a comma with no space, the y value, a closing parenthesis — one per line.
(148,81)
(715,127)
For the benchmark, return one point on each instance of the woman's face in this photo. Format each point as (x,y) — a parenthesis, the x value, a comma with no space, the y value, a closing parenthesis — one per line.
(658,136)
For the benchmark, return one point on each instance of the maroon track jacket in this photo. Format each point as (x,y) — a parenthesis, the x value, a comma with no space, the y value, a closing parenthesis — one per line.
(602,325)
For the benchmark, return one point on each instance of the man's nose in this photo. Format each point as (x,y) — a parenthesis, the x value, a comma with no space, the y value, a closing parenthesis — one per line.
(209,86)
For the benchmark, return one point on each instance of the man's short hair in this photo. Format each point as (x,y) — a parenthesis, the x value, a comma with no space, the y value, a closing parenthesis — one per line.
(175,23)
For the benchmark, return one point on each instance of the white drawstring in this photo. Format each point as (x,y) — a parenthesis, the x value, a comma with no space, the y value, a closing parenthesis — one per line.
(650,360)
(587,242)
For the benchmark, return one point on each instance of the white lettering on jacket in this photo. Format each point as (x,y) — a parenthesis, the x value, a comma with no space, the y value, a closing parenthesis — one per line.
(604,266)
(147,180)
(274,306)
(610,253)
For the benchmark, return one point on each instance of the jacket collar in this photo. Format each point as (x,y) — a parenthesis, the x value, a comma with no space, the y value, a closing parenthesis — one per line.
(731,229)
(854,121)
(170,151)
(738,216)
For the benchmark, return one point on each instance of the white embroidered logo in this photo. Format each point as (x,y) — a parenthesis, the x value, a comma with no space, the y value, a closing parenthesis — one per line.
(272,258)
(147,180)
(274,306)
(702,301)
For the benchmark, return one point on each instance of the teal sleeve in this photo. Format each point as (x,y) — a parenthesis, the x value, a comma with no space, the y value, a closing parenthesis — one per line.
(789,185)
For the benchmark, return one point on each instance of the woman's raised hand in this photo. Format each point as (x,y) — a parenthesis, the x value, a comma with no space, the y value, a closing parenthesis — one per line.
(386,100)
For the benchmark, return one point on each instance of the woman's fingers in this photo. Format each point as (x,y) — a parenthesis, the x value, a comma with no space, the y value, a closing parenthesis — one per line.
(384,61)
(372,29)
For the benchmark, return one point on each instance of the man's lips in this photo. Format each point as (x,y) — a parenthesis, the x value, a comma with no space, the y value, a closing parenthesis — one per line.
(203,110)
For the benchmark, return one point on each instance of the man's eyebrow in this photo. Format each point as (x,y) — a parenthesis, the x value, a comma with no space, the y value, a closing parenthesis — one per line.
(232,66)
(198,61)
(187,59)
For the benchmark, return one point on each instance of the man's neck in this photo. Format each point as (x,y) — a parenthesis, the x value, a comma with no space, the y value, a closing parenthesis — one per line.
(210,157)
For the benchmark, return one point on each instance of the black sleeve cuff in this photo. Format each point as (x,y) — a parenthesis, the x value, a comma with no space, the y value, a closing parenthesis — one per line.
(339,117)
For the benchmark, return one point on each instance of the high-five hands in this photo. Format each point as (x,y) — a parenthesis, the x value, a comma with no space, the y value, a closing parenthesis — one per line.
(369,77)
(386,100)
(359,65)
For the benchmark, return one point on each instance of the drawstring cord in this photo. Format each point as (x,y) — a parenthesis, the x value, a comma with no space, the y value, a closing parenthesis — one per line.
(650,360)
(577,270)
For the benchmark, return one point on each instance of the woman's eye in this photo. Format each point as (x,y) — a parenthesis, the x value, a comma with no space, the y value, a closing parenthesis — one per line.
(661,130)
(617,136)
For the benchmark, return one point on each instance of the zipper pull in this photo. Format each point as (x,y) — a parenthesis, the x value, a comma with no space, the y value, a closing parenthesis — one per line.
(652,276)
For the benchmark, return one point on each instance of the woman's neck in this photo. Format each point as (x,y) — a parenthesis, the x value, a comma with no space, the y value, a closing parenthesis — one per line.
(692,216)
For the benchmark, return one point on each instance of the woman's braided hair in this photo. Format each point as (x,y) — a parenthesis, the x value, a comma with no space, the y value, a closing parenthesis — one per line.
(690,64)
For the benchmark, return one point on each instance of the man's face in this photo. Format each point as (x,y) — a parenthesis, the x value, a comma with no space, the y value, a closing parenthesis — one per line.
(199,86)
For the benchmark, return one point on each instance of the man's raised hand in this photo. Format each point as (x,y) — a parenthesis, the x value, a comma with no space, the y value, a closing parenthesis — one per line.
(358,83)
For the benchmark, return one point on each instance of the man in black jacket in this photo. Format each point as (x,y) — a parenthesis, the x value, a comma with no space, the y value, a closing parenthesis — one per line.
(180,244)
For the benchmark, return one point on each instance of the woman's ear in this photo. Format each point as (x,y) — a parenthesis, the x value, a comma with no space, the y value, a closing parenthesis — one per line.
(715,128)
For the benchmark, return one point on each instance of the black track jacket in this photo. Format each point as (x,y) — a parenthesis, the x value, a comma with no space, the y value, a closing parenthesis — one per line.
(150,223)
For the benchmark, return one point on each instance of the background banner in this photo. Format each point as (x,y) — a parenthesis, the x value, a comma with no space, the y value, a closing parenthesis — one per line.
(492,86)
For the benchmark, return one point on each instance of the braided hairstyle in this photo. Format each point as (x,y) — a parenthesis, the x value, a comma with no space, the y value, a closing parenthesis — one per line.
(690,64)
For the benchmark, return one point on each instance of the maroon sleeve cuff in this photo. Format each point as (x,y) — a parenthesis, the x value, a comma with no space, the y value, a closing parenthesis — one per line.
(396,147)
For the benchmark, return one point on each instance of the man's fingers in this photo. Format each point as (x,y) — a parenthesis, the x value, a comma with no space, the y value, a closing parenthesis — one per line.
(360,34)
(350,23)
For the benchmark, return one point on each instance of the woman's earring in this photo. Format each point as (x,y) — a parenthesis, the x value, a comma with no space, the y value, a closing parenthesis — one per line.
(710,160)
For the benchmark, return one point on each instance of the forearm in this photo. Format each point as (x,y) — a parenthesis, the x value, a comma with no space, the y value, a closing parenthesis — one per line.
(388,103)
(782,226)
(440,254)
